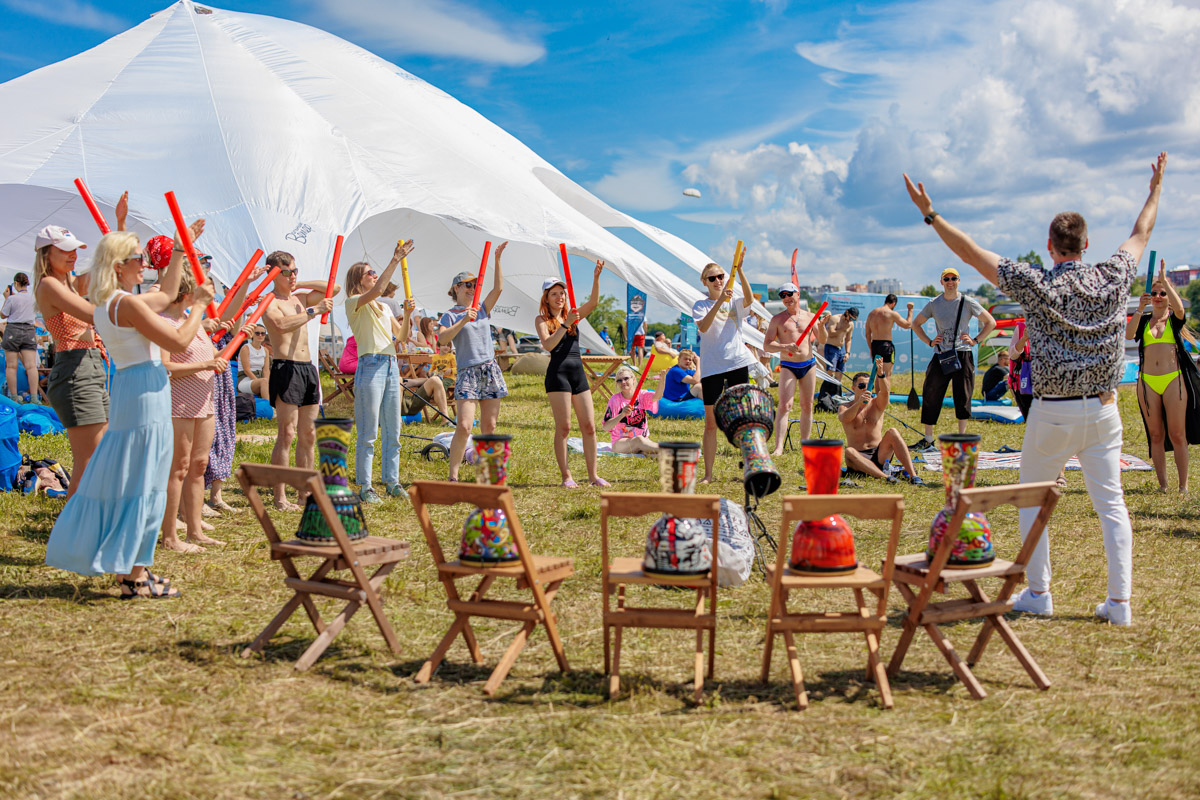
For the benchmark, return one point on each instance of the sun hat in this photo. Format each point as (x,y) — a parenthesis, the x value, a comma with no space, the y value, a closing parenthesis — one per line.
(58,236)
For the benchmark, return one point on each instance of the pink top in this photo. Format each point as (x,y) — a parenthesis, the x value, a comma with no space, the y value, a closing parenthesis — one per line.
(192,395)
(348,363)
(636,422)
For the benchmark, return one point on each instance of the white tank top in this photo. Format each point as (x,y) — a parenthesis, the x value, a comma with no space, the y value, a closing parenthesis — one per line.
(258,357)
(126,346)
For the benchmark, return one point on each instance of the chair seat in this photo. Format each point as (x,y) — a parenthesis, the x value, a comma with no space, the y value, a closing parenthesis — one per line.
(630,570)
(371,550)
(917,566)
(861,578)
(549,569)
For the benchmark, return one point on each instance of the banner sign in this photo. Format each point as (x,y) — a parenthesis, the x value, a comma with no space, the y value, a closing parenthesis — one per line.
(689,336)
(635,312)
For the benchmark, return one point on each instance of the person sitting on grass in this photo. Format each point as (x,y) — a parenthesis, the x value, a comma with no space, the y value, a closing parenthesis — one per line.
(681,382)
(625,417)
(868,447)
(995,380)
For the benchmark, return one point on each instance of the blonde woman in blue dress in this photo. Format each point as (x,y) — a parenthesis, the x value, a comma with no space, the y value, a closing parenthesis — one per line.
(111,523)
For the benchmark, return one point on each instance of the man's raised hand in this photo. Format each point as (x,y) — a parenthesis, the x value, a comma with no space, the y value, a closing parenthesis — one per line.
(919,196)
(1157,169)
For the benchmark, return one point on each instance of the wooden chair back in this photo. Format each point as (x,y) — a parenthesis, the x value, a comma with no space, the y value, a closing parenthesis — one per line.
(640,504)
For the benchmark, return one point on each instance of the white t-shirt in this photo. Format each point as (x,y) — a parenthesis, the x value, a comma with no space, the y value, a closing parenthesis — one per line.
(722,348)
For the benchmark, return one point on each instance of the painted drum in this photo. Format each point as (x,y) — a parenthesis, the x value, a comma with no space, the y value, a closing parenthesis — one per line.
(746,415)
(486,537)
(971,546)
(333,445)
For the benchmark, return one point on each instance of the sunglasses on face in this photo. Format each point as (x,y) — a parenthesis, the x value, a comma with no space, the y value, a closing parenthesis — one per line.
(715,278)
(468,284)
(949,279)
(260,333)
(625,380)
(370,274)
(139,258)
(860,386)
(1158,294)
(785,295)
(287,273)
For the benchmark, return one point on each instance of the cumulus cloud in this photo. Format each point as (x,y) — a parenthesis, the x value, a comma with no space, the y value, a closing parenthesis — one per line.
(1008,112)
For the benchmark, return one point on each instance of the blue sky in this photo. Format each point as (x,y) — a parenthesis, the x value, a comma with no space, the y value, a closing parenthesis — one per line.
(794,119)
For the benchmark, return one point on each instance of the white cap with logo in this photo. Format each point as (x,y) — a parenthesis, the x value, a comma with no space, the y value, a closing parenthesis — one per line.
(58,236)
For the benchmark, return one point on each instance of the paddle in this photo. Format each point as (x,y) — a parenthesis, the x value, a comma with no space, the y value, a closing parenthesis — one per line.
(914,402)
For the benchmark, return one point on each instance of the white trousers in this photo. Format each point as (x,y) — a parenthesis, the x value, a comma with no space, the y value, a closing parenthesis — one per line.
(1056,431)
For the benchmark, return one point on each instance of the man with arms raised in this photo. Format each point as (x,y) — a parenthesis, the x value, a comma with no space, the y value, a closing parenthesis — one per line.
(878,330)
(294,385)
(1075,319)
(796,361)
(868,448)
(839,330)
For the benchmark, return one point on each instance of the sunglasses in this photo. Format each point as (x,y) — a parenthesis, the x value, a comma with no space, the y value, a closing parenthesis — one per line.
(370,273)
(287,273)
(260,333)
(949,279)
(625,380)
(860,386)
(1158,294)
(785,295)
(468,284)
(715,278)
(141,258)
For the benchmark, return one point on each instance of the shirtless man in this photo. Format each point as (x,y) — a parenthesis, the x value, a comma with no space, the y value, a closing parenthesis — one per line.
(839,330)
(878,329)
(796,361)
(868,448)
(294,385)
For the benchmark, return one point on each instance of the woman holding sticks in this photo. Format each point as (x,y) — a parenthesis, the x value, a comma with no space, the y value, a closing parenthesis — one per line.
(377,394)
(566,382)
(111,523)
(724,359)
(77,388)
(626,419)
(1168,382)
(480,379)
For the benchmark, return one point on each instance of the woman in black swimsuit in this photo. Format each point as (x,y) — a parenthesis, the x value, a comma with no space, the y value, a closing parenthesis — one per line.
(566,382)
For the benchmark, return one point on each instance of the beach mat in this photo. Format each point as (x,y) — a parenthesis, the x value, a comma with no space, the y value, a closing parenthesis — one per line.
(575,445)
(1011,459)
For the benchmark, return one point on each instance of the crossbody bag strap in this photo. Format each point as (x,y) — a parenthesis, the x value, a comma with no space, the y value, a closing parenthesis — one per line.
(957,321)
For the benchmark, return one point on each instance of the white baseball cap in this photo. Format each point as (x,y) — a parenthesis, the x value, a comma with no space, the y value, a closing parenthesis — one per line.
(549,282)
(58,236)
(789,287)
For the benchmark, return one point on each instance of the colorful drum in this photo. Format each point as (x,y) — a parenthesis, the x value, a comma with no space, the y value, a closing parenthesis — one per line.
(676,546)
(333,446)
(972,546)
(746,415)
(486,538)
(823,546)
(677,466)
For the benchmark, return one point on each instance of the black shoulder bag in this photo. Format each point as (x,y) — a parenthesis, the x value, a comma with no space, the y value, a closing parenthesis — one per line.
(949,359)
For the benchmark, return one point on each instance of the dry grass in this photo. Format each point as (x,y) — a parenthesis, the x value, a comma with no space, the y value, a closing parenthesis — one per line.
(103,698)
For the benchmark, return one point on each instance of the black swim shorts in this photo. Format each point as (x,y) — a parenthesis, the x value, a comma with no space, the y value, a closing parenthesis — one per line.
(885,348)
(295,383)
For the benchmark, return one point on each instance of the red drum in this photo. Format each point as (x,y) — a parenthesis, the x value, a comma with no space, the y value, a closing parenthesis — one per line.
(823,546)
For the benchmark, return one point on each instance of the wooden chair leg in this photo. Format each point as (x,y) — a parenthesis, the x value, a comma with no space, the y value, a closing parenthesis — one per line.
(468,634)
(509,658)
(376,605)
(698,682)
(906,635)
(550,622)
(435,660)
(327,636)
(876,671)
(797,674)
(768,651)
(614,677)
(957,664)
(1014,644)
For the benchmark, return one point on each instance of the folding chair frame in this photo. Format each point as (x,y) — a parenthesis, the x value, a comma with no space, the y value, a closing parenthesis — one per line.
(343,382)
(917,580)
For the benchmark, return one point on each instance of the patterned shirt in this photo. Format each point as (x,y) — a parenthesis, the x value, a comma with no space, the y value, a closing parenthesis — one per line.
(1075,315)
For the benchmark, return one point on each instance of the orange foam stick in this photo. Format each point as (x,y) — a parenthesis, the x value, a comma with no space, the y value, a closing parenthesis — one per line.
(795,277)
(252,298)
(225,301)
(237,340)
(645,371)
(189,248)
(88,201)
(562,249)
(487,248)
(812,322)
(333,268)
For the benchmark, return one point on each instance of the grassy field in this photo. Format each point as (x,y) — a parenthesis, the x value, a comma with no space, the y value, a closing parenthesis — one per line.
(101,698)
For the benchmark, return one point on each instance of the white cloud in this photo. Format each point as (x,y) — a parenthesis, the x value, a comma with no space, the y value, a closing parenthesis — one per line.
(432,27)
(72,13)
(640,184)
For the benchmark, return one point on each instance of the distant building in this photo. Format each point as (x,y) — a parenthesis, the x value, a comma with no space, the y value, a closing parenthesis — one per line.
(828,287)
(1183,275)
(808,290)
(885,286)
(857,287)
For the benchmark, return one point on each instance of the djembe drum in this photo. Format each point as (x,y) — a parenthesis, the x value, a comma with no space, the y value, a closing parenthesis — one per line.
(746,415)
(677,546)
(333,445)
(486,538)
(972,547)
(822,546)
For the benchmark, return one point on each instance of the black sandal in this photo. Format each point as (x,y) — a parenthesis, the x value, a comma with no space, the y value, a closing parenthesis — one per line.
(155,591)
(161,581)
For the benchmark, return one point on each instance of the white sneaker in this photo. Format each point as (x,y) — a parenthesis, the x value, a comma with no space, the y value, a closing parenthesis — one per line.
(1115,613)
(1040,604)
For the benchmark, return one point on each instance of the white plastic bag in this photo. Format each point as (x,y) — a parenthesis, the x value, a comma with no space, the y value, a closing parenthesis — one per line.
(735,556)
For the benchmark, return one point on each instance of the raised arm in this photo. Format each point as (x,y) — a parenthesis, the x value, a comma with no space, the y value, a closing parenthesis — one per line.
(1135,245)
(747,293)
(381,282)
(1131,324)
(883,386)
(168,285)
(53,297)
(493,296)
(136,311)
(985,262)
(1173,298)
(594,300)
(904,322)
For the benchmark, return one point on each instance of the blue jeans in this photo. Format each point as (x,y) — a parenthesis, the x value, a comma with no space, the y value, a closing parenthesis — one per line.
(377,400)
(998,391)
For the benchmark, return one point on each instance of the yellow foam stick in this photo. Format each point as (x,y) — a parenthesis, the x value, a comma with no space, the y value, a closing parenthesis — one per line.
(404,273)
(739,253)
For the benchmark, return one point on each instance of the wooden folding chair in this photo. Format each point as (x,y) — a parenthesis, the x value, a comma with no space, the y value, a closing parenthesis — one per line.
(542,575)
(864,619)
(917,579)
(354,556)
(622,572)
(343,382)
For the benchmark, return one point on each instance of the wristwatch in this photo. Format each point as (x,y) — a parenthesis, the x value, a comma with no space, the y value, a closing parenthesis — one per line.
(312,312)
(929,217)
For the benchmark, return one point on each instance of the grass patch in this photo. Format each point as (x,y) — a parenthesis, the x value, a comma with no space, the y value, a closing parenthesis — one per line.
(104,698)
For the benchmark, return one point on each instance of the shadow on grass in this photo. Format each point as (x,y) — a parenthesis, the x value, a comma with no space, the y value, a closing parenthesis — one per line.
(38,522)
(283,649)
(59,590)
(17,561)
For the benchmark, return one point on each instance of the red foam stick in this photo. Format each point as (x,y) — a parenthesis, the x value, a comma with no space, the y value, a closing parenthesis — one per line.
(237,340)
(225,301)
(645,371)
(88,201)
(185,236)
(812,322)
(487,248)
(795,277)
(1001,324)
(337,256)
(252,298)
(562,249)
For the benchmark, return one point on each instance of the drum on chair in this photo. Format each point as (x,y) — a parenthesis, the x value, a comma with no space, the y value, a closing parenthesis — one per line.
(746,415)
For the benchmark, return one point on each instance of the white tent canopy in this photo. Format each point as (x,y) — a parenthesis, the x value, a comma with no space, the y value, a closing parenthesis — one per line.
(283,136)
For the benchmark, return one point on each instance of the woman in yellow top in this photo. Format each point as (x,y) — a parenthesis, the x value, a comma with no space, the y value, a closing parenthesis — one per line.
(377,394)
(1168,381)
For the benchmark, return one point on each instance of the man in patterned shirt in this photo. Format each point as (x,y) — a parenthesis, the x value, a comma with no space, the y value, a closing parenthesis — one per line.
(1075,316)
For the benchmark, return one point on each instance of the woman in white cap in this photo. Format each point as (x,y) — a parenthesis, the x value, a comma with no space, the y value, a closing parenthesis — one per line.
(111,523)
(566,381)
(480,379)
(77,388)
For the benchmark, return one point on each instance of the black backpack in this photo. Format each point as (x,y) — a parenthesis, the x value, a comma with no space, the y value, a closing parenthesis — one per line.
(245,408)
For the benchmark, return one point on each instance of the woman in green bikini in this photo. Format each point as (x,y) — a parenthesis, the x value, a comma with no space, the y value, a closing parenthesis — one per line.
(1168,380)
